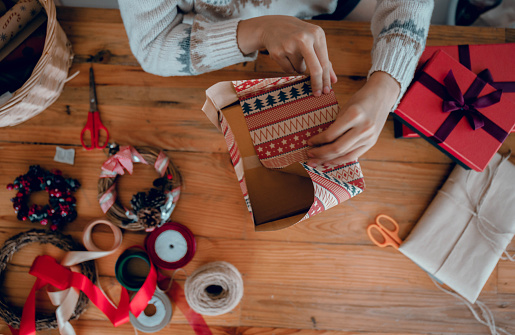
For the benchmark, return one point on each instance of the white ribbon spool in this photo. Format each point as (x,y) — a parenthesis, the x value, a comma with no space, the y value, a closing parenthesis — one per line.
(157,321)
(171,246)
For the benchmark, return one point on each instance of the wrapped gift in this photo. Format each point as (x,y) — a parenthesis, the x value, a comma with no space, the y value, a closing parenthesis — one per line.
(497,58)
(457,111)
(266,124)
(466,228)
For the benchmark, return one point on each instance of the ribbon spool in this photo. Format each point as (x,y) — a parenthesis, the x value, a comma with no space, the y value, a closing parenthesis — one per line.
(132,268)
(214,289)
(171,246)
(157,321)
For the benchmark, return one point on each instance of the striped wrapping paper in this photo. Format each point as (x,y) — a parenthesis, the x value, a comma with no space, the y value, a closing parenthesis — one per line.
(281,114)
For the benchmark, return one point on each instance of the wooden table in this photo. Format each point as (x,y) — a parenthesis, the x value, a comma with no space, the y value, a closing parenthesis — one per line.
(320,276)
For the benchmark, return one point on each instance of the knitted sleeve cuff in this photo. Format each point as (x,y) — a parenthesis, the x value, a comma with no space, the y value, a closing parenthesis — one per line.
(394,57)
(214,45)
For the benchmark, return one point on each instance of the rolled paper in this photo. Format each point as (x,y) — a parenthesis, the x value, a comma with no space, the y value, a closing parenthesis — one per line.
(16,18)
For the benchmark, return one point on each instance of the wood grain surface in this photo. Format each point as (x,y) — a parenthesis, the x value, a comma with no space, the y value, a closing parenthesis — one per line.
(320,277)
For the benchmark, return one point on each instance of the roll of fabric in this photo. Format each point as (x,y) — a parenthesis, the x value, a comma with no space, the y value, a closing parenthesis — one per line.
(214,289)
(16,18)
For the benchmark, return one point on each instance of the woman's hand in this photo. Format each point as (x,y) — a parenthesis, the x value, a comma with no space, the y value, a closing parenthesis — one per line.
(358,124)
(294,44)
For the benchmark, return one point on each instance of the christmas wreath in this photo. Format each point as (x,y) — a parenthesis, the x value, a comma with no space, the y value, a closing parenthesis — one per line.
(149,209)
(12,314)
(61,204)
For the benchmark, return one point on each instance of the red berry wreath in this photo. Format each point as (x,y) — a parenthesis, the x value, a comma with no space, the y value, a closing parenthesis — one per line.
(61,207)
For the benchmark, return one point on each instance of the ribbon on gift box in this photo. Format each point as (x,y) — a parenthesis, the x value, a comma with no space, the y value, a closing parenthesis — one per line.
(463,105)
(464,58)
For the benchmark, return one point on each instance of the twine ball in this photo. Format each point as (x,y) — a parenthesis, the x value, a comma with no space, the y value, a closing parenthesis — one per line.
(214,289)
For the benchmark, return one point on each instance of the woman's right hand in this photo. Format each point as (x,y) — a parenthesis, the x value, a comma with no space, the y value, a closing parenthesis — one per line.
(294,44)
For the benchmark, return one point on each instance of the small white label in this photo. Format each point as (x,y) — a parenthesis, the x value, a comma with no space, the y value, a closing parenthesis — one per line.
(66,156)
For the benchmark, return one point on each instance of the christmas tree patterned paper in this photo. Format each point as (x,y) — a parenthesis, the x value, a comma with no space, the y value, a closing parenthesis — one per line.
(281,115)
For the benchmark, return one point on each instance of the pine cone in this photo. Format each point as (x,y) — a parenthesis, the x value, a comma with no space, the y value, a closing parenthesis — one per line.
(149,217)
(154,198)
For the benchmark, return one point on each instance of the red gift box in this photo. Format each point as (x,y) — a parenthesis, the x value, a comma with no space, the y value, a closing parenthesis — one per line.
(498,58)
(457,111)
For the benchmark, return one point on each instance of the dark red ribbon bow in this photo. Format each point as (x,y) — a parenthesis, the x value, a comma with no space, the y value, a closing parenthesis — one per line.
(470,102)
(463,105)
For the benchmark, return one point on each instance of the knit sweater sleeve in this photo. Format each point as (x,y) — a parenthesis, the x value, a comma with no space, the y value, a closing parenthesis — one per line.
(164,45)
(400,30)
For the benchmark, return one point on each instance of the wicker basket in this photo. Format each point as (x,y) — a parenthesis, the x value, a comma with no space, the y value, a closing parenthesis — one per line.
(47,79)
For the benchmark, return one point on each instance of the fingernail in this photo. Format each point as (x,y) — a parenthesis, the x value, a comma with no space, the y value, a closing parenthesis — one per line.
(310,143)
(317,93)
(327,90)
(312,164)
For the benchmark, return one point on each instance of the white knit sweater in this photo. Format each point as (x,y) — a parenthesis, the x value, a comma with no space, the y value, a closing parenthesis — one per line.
(189,37)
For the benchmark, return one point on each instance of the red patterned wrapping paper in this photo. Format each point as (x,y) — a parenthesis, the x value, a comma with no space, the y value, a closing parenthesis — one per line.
(281,115)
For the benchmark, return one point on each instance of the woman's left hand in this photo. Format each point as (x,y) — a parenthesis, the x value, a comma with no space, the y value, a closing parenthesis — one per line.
(358,125)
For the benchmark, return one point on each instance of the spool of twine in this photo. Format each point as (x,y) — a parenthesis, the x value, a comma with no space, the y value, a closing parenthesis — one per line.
(117,212)
(214,289)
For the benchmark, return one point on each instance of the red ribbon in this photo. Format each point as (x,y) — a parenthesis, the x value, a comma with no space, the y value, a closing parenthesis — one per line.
(196,321)
(48,271)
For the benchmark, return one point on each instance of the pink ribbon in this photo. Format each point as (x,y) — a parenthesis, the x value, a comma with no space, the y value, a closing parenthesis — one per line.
(123,159)
(107,200)
(67,300)
(161,163)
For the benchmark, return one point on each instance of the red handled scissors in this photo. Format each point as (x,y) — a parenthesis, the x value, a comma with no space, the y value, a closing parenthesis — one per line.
(93,125)
(390,237)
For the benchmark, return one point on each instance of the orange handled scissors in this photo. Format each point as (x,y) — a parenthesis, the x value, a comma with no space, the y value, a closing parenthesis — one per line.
(390,236)
(93,125)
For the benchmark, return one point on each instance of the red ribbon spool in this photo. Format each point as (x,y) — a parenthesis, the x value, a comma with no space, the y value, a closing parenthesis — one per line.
(157,255)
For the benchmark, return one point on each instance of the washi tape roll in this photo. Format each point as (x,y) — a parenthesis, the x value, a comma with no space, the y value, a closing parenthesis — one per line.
(171,246)
(132,268)
(159,319)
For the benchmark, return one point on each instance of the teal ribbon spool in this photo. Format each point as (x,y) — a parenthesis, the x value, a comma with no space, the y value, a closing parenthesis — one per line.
(131,281)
